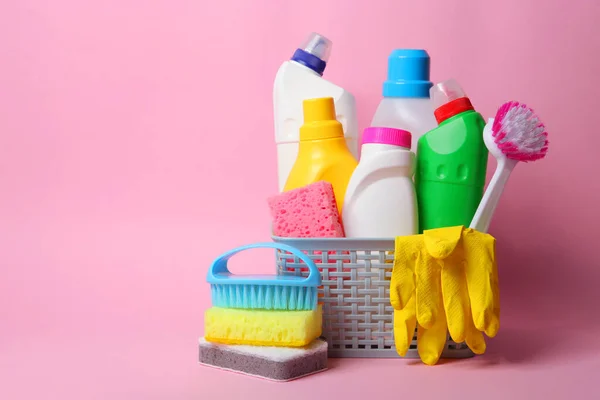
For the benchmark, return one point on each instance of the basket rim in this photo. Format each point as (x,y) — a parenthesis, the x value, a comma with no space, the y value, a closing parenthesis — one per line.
(360,244)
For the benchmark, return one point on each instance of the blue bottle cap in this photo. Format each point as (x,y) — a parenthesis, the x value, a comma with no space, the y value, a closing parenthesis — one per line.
(408,74)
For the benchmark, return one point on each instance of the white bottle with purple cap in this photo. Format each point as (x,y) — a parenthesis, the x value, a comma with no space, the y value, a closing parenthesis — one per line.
(380,200)
(298,79)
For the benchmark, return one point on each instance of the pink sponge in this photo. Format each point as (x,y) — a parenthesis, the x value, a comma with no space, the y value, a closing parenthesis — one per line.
(309,211)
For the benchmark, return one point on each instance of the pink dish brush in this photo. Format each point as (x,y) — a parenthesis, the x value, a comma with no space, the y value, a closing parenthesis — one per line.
(515,134)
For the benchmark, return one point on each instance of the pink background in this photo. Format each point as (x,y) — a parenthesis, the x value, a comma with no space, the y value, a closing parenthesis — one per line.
(113,112)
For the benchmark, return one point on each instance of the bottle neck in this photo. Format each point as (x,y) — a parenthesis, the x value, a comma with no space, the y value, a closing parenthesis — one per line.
(334,144)
(370,149)
(310,61)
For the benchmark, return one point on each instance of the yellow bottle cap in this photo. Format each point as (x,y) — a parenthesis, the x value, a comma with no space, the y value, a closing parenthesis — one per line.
(319,120)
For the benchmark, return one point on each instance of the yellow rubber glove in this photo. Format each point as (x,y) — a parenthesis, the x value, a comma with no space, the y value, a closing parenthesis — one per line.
(414,282)
(412,278)
(447,246)
(469,280)
(444,280)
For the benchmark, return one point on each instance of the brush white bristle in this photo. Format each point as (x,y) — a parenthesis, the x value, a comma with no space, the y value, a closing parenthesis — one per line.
(519,133)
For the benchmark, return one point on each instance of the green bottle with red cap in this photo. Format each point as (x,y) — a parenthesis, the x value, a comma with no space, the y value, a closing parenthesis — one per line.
(451,161)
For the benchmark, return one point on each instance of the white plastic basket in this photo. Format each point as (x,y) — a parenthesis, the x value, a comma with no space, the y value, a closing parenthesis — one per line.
(357,314)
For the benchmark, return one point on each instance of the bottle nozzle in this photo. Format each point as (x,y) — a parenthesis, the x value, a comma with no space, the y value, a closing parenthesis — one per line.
(449,99)
(445,91)
(321,109)
(317,45)
(320,120)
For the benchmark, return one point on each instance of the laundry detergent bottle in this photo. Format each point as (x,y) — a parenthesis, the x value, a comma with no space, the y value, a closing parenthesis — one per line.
(380,200)
(451,161)
(406,104)
(301,78)
(323,154)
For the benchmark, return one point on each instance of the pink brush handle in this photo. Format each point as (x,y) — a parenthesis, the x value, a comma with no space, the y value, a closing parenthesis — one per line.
(491,197)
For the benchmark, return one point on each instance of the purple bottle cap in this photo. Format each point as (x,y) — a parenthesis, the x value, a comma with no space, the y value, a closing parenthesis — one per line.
(392,136)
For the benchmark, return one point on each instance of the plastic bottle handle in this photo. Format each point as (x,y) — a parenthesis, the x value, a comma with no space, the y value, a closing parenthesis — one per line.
(219,265)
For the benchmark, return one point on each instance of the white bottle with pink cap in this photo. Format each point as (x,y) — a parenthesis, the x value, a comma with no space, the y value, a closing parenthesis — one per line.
(380,200)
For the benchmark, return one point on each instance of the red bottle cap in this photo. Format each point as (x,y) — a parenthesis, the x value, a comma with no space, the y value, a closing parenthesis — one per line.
(452,108)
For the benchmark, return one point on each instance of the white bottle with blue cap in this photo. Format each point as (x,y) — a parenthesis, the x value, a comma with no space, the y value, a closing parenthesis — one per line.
(406,104)
(298,79)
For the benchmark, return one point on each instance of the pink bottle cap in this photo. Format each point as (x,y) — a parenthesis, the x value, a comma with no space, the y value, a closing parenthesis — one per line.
(392,136)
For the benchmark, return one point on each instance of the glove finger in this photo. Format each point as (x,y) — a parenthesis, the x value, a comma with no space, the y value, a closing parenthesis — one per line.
(431,342)
(402,283)
(456,299)
(428,289)
(494,326)
(474,338)
(480,281)
(405,322)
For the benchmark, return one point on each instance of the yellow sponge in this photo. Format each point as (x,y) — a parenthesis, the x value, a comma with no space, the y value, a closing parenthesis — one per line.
(262,327)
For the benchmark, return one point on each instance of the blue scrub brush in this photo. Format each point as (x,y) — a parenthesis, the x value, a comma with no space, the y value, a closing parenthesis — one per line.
(267,292)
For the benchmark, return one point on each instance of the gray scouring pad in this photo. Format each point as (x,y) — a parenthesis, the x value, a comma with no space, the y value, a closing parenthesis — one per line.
(272,363)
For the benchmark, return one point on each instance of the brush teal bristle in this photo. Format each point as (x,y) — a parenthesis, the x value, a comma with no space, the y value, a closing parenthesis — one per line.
(291,298)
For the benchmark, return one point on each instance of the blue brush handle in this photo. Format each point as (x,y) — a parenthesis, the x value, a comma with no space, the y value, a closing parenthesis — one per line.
(219,273)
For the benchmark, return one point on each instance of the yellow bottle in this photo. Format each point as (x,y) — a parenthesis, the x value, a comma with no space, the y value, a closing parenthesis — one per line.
(322,153)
